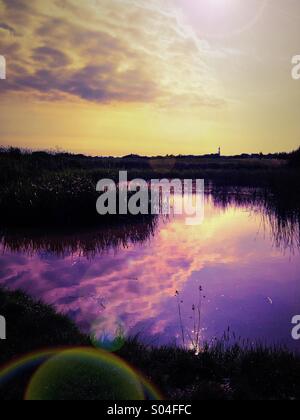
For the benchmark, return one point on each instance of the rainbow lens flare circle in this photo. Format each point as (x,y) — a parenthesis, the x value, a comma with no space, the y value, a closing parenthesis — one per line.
(76,374)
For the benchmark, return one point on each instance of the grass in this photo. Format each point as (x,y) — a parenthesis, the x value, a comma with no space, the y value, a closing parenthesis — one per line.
(279,211)
(220,371)
(86,241)
(55,168)
(31,325)
(39,188)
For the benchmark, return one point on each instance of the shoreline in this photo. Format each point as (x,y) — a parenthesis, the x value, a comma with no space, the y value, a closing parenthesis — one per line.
(219,372)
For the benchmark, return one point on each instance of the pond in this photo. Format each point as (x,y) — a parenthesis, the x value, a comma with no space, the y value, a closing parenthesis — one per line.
(238,271)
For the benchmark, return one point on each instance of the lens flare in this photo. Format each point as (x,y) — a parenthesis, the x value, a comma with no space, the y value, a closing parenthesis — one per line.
(74,374)
(14,376)
(87,374)
(84,374)
(220,18)
(108,341)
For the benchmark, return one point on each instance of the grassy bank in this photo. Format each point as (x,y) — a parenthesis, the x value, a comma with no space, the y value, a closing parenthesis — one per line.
(42,188)
(218,373)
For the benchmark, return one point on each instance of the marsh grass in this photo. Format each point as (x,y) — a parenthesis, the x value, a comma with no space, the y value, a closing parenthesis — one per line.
(40,188)
(191,337)
(84,241)
(221,371)
(279,211)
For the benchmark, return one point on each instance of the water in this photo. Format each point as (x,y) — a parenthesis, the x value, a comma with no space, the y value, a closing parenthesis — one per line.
(127,277)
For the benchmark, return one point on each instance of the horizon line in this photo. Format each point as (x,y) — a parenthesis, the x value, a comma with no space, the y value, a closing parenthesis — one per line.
(58,151)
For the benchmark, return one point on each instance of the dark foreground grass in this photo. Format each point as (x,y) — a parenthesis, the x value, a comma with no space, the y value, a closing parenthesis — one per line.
(217,373)
(32,325)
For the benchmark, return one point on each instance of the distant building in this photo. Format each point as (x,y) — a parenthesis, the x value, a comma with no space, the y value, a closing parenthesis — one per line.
(219,152)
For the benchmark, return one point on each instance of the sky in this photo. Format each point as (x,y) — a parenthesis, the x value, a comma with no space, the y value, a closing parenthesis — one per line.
(114,77)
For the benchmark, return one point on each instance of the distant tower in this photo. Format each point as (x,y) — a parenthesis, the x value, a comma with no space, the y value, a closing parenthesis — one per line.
(219,151)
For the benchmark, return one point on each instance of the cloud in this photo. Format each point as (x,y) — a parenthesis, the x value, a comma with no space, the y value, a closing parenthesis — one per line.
(116,51)
(53,57)
(7,28)
(137,284)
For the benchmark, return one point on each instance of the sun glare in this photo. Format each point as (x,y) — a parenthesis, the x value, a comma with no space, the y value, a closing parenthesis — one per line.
(221,18)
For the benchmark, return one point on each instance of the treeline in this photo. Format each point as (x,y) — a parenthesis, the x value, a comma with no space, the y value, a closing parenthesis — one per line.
(16,164)
(294,158)
(15,152)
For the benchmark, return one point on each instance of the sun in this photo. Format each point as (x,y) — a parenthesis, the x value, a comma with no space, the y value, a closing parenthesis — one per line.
(222,18)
